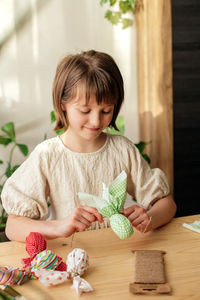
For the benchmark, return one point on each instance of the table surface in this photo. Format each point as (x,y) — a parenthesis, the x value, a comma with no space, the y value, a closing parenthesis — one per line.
(112,262)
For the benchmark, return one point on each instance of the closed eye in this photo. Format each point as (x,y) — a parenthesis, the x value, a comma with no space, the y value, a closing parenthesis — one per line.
(85,112)
(106,112)
(103,112)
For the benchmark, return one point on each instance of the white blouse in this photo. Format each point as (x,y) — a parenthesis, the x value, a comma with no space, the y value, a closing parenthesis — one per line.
(53,172)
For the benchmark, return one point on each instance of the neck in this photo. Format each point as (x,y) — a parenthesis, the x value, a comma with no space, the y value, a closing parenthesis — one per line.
(76,144)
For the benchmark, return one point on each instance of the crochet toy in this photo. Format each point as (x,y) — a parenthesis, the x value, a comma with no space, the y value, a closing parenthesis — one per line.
(110,205)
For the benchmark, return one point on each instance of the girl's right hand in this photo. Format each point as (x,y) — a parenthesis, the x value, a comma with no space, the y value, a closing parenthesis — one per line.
(79,220)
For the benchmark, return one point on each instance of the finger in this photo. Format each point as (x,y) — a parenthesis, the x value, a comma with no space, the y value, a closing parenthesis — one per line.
(95,212)
(84,221)
(88,216)
(80,226)
(139,211)
(140,227)
(133,217)
(142,223)
(136,221)
(142,218)
(129,210)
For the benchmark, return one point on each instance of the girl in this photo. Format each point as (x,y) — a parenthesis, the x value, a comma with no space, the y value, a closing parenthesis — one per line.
(87,95)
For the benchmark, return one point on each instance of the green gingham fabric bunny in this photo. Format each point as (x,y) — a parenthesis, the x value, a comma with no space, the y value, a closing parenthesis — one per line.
(110,205)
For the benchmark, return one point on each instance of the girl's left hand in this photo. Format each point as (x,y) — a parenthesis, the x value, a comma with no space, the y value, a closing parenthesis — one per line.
(138,217)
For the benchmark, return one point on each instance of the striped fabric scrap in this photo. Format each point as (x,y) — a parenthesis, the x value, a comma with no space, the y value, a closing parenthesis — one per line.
(11,276)
(46,259)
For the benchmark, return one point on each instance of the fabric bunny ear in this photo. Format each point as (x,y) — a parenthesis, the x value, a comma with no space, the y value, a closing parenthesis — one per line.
(92,200)
(100,204)
(117,189)
(113,197)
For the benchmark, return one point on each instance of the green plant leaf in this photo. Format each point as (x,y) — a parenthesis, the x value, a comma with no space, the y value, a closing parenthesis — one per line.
(146,157)
(124,6)
(113,17)
(120,126)
(1,162)
(3,225)
(126,23)
(141,146)
(112,2)
(127,5)
(15,168)
(23,148)
(53,117)
(60,131)
(132,3)
(9,129)
(5,141)
(8,172)
(102,2)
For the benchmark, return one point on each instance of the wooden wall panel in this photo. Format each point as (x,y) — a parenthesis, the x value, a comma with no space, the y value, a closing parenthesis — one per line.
(154,55)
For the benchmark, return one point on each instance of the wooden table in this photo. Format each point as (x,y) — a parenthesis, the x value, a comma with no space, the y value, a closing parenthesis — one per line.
(112,262)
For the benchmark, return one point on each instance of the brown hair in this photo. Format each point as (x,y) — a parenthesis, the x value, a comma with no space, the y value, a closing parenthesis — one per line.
(97,72)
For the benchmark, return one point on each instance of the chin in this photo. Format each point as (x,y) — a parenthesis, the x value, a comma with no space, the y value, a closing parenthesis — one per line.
(91,137)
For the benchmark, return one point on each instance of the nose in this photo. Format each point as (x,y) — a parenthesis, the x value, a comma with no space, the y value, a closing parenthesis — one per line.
(95,119)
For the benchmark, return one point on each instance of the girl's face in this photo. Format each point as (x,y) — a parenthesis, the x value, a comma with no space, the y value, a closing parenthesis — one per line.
(87,120)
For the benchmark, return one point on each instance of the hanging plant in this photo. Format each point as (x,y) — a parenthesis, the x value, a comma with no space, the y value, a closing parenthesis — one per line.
(121,11)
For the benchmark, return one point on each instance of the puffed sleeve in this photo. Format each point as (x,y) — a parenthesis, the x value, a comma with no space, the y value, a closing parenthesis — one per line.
(25,193)
(146,184)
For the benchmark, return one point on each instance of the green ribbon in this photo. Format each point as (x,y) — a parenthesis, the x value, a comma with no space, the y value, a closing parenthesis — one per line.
(110,205)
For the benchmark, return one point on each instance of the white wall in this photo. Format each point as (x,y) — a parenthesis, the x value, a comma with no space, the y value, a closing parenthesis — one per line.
(28,62)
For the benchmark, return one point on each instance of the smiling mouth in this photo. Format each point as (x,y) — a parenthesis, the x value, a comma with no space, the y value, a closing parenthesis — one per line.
(93,129)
